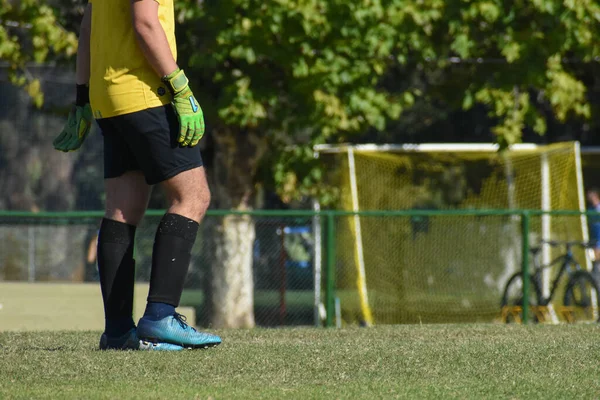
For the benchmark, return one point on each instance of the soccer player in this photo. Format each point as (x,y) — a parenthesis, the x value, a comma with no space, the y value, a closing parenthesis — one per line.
(151,124)
(593,197)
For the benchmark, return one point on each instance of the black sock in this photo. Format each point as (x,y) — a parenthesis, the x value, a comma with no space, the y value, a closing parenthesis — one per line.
(171,257)
(116,268)
(158,311)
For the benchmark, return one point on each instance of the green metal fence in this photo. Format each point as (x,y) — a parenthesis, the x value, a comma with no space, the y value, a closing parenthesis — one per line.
(290,292)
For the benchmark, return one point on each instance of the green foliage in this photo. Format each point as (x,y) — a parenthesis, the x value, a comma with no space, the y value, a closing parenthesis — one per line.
(305,72)
(302,73)
(29,32)
(533,44)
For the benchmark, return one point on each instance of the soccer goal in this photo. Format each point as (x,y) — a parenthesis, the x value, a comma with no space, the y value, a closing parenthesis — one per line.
(446,268)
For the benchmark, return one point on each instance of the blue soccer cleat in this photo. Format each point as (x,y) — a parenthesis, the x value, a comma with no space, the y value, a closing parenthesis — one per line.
(173,329)
(131,341)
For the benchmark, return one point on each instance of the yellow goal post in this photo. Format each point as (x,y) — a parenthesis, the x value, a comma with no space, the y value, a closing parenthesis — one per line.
(445,176)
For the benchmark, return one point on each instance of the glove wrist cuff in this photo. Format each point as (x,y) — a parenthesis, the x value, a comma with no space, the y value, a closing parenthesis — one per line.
(83,95)
(176,81)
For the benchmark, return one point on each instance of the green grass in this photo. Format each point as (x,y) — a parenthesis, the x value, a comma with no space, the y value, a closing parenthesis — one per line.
(428,361)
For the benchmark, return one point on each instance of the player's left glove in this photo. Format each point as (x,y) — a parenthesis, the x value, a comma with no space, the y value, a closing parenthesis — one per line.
(78,124)
(189,113)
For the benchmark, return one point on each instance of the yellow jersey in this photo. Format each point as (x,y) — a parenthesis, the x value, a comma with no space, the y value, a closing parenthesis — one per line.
(121,80)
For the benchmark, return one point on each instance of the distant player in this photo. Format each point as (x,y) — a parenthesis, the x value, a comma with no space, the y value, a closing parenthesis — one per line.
(593,198)
(151,124)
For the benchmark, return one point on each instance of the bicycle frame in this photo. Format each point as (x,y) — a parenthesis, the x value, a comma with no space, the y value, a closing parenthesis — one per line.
(567,260)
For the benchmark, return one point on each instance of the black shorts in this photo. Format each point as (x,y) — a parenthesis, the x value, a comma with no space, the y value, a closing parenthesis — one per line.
(146,140)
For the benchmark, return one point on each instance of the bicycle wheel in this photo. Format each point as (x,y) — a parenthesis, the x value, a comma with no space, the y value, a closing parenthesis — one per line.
(512,299)
(581,298)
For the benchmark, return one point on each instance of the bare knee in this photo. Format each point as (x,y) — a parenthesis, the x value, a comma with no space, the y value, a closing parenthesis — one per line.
(127,198)
(204,201)
(188,194)
(191,204)
(131,214)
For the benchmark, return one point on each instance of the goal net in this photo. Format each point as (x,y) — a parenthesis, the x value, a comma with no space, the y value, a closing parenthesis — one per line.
(445,268)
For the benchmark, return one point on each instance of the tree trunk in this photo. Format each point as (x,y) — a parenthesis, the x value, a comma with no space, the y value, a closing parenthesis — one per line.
(231,177)
(232,283)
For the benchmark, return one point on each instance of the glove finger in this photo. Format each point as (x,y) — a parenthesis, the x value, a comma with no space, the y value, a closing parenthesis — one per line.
(64,143)
(190,134)
(59,139)
(68,146)
(77,130)
(83,130)
(75,145)
(66,135)
(182,129)
(199,132)
(73,139)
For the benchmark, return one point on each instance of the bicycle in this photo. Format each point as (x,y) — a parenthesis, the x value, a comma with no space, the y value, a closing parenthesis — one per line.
(581,296)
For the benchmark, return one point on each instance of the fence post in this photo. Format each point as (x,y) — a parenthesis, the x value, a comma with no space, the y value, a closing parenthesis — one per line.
(525,216)
(330,270)
(31,254)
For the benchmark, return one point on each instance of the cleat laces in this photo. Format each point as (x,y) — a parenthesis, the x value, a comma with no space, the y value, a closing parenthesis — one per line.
(182,321)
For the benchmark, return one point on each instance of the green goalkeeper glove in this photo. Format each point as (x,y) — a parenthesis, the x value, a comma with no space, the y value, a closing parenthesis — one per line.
(189,113)
(78,124)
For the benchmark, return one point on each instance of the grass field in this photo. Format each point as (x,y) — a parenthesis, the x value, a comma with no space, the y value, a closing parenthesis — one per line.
(410,361)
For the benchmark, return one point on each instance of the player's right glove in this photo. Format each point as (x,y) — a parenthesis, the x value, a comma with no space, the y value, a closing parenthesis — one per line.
(78,124)
(189,113)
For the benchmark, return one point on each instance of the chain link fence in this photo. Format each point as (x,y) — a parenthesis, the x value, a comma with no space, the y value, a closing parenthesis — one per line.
(378,267)
(445,267)
(63,249)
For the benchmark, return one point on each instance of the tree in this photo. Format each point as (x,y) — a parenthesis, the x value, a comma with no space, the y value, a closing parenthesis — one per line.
(30,33)
(278,78)
(517,60)
(29,36)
